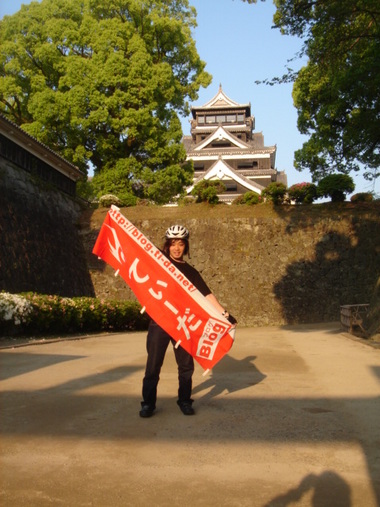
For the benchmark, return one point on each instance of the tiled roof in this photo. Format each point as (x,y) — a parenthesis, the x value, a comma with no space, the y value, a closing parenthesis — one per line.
(16,134)
(221,101)
(235,175)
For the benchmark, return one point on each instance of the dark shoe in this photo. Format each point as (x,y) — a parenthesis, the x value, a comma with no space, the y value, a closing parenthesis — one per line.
(186,408)
(146,411)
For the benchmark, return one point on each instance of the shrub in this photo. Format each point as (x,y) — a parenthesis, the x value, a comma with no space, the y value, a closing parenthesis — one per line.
(15,312)
(128,199)
(107,200)
(362,197)
(51,314)
(207,191)
(249,198)
(275,192)
(187,200)
(143,202)
(336,186)
(36,314)
(303,193)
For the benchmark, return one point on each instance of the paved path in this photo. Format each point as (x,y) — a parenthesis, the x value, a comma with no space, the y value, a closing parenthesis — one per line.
(290,417)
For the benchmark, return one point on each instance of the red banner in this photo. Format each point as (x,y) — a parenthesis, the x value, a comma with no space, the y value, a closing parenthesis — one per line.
(168,296)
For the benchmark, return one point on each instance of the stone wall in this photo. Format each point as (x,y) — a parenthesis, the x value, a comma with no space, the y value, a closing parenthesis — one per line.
(267,265)
(41,248)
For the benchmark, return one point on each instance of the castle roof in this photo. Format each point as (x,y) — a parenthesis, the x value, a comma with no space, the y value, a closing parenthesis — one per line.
(236,146)
(221,169)
(221,102)
(32,145)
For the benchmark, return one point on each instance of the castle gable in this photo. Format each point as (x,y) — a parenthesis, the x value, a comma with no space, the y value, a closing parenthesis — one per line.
(221,138)
(220,170)
(221,100)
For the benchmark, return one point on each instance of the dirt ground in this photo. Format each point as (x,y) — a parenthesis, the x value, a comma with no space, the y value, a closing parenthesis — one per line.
(289,417)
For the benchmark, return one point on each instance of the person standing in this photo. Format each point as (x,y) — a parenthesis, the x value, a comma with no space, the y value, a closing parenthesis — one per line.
(176,246)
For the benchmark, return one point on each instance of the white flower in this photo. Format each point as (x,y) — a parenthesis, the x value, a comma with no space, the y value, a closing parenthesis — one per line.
(14,308)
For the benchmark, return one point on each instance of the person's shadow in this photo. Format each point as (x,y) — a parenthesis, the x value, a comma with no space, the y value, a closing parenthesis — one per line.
(230,375)
(329,490)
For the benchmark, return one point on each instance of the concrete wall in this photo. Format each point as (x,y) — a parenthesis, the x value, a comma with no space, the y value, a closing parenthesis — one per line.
(267,265)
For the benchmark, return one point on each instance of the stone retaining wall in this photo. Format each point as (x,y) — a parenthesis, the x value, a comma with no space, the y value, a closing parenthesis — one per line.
(289,265)
(40,248)
(267,265)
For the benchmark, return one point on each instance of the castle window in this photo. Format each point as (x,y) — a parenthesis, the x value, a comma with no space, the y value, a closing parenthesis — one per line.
(210,119)
(201,119)
(247,165)
(221,144)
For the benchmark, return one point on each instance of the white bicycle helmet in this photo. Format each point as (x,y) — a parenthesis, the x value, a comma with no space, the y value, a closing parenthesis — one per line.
(177,232)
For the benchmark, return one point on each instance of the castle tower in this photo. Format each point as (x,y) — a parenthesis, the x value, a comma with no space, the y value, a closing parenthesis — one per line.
(224,146)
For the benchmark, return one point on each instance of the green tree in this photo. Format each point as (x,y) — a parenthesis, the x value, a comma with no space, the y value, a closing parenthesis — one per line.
(208,190)
(103,82)
(275,192)
(337,94)
(303,193)
(336,186)
(249,198)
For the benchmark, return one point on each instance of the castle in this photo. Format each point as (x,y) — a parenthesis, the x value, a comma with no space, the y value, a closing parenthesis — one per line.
(223,146)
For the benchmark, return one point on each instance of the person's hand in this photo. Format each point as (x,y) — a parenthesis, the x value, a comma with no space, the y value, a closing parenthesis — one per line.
(232,319)
(229,317)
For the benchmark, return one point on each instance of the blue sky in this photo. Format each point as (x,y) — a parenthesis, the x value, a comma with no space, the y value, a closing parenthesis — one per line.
(237,42)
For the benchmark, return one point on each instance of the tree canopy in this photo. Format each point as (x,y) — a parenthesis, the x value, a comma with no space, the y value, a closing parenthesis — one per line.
(103,82)
(336,186)
(337,93)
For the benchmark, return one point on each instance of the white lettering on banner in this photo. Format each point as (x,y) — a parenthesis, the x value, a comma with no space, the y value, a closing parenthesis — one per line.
(133,271)
(153,252)
(213,331)
(116,249)
(182,323)
(156,282)
(158,295)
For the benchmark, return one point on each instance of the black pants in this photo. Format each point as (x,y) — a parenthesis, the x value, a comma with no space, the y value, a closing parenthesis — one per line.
(156,345)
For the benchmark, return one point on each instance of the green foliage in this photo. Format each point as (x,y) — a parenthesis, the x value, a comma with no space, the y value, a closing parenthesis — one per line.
(208,190)
(303,193)
(118,181)
(103,84)
(337,92)
(275,192)
(36,314)
(85,190)
(362,197)
(249,198)
(336,186)
(187,200)
(162,186)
